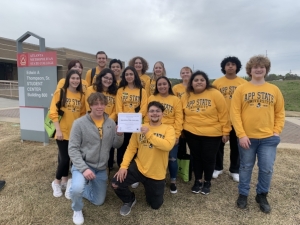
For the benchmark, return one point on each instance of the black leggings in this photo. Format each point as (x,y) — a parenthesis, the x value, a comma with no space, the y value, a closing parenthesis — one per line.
(63,159)
(234,154)
(203,150)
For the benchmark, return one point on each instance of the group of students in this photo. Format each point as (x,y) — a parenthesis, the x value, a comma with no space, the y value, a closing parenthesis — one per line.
(205,116)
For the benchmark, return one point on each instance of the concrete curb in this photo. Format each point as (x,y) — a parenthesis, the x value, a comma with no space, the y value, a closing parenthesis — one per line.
(9,119)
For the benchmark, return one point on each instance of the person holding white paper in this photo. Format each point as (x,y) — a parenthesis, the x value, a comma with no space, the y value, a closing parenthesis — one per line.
(131,98)
(151,147)
(173,115)
(129,122)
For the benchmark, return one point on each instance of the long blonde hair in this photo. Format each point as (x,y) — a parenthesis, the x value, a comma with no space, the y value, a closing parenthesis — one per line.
(164,70)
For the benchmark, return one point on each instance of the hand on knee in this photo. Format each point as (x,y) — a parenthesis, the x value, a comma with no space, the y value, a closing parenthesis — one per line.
(114,186)
(114,183)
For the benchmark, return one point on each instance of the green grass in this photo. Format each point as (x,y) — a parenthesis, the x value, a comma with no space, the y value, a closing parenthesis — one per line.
(291,93)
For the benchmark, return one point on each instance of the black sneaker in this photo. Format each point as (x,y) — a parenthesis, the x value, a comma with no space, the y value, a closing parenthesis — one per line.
(261,199)
(126,208)
(206,188)
(197,187)
(173,188)
(242,201)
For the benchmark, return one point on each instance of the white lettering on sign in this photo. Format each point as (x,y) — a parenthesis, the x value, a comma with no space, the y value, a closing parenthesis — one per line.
(35,78)
(37,95)
(35,84)
(32,83)
(36,55)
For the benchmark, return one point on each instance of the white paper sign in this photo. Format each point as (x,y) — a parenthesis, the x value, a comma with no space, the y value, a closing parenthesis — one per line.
(129,122)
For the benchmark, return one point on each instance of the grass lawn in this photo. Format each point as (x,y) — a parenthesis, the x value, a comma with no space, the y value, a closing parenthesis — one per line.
(291,93)
(29,169)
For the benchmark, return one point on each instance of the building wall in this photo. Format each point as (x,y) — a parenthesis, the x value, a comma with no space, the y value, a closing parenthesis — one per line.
(8,54)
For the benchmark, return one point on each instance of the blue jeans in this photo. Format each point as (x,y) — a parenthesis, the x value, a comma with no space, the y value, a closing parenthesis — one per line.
(173,165)
(93,190)
(265,150)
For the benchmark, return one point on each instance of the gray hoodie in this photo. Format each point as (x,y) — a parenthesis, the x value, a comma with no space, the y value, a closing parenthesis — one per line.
(85,146)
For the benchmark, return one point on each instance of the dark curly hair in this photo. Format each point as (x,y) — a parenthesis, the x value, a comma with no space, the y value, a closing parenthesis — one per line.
(115,61)
(231,59)
(144,63)
(112,89)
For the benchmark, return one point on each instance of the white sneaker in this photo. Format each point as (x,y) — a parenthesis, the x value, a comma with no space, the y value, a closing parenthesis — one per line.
(235,176)
(67,193)
(78,217)
(56,189)
(135,185)
(63,185)
(217,173)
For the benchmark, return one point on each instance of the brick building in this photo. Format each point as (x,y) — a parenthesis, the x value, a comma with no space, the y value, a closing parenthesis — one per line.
(8,58)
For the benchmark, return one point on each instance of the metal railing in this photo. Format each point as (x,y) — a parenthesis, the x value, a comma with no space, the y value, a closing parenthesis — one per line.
(9,88)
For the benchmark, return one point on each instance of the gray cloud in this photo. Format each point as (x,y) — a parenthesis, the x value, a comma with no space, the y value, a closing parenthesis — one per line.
(191,33)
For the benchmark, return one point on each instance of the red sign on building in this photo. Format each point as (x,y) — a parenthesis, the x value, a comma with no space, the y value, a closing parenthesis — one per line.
(28,59)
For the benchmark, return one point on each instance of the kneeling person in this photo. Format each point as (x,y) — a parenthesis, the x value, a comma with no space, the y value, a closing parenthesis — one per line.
(92,137)
(152,147)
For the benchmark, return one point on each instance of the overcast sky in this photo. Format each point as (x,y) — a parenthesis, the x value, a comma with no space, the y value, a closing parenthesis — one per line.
(195,33)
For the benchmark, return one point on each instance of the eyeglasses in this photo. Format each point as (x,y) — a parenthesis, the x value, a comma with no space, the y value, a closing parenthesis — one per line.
(153,111)
(106,78)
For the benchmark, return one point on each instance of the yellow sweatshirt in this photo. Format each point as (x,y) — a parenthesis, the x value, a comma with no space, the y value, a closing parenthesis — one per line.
(88,76)
(73,109)
(152,151)
(206,114)
(128,99)
(144,78)
(150,87)
(118,82)
(110,108)
(173,114)
(257,111)
(62,81)
(179,90)
(227,87)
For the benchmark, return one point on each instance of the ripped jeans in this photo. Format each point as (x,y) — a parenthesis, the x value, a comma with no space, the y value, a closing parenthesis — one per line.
(265,151)
(173,165)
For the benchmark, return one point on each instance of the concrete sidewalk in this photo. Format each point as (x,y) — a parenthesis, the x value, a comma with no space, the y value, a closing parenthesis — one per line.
(8,103)
(290,136)
(9,110)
